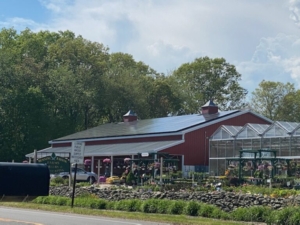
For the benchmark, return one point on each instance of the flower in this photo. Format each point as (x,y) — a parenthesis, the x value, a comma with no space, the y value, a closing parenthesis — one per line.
(260,167)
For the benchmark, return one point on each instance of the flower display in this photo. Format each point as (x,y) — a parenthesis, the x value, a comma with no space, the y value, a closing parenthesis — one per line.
(107,160)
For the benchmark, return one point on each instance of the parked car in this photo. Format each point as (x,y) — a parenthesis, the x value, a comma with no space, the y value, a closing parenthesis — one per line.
(81,175)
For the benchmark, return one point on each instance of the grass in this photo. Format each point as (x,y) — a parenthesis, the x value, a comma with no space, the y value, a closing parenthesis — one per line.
(172,219)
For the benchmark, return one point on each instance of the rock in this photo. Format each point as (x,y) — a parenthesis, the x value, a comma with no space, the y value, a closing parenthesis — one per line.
(227,201)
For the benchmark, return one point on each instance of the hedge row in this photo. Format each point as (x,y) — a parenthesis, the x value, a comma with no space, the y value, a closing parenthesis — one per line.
(287,216)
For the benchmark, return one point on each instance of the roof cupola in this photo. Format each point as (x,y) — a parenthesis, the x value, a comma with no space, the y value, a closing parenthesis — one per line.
(130,116)
(209,108)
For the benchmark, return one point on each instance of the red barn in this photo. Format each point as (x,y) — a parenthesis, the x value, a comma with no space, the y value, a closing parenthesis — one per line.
(184,137)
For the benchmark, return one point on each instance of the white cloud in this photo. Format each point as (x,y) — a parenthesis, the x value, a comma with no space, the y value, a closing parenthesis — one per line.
(275,59)
(20,23)
(259,37)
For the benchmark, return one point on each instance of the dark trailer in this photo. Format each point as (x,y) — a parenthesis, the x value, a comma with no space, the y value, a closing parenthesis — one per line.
(22,181)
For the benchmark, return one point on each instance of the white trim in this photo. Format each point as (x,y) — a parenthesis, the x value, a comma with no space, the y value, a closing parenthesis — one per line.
(92,164)
(169,146)
(223,158)
(117,138)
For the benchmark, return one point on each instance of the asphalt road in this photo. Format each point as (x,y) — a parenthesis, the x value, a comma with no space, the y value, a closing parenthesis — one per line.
(13,216)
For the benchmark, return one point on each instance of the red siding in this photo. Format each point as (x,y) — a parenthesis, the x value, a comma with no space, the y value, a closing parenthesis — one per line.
(196,145)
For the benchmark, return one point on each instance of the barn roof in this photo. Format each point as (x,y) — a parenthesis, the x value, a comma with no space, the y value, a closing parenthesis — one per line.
(111,149)
(146,127)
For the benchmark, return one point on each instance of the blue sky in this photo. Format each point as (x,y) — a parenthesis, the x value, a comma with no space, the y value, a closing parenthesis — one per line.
(260,37)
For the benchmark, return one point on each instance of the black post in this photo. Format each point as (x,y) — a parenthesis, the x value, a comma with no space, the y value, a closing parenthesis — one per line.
(74,181)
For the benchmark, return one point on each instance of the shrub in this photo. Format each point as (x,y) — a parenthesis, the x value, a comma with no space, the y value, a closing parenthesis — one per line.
(38,200)
(97,203)
(163,206)
(258,213)
(49,200)
(83,202)
(130,178)
(284,216)
(206,210)
(192,208)
(133,205)
(128,205)
(295,217)
(63,201)
(110,205)
(176,207)
(219,214)
(149,206)
(120,205)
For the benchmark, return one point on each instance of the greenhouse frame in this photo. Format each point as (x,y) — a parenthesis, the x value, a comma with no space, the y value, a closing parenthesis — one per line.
(229,144)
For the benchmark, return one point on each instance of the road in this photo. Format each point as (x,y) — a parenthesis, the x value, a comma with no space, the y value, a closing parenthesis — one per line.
(13,216)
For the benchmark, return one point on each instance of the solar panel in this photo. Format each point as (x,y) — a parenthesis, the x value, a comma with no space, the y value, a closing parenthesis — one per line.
(148,126)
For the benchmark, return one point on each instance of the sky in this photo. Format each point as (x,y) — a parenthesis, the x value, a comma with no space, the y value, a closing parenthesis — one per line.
(260,37)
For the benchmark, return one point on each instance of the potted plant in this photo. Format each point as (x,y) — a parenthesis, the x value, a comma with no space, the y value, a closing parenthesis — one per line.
(130,178)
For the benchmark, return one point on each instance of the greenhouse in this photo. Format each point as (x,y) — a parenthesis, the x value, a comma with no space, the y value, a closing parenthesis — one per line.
(275,147)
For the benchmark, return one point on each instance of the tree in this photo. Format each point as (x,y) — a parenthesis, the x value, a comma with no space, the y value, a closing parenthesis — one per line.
(127,85)
(162,100)
(206,79)
(269,96)
(289,109)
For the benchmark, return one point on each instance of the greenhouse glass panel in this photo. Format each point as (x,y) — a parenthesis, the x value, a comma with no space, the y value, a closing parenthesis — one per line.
(284,146)
(225,135)
(289,126)
(221,167)
(276,145)
(297,131)
(295,150)
(222,149)
(230,149)
(266,143)
(213,149)
(217,135)
(256,143)
(247,132)
(260,128)
(251,133)
(295,145)
(239,146)
(213,167)
(247,144)
(233,129)
(275,131)
(242,134)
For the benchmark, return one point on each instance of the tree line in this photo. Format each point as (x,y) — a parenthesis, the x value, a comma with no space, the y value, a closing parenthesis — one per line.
(56,83)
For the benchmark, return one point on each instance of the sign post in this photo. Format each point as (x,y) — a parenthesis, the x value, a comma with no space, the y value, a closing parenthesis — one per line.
(77,156)
(77,153)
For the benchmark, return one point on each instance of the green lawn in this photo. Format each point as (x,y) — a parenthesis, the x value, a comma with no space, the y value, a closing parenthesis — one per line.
(172,219)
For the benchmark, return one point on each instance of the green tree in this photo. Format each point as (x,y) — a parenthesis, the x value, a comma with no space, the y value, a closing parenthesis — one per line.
(205,79)
(289,109)
(269,96)
(162,99)
(127,85)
